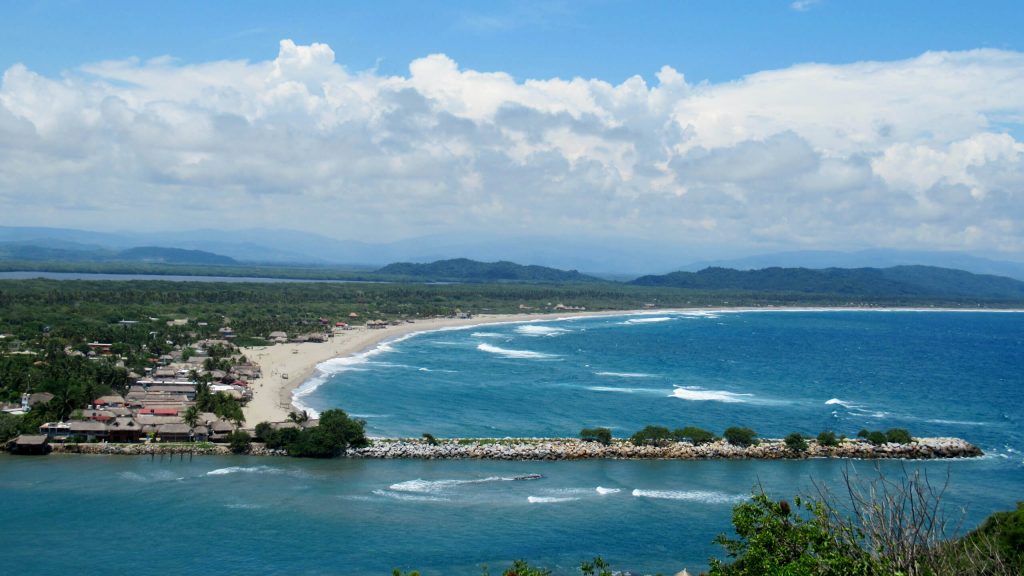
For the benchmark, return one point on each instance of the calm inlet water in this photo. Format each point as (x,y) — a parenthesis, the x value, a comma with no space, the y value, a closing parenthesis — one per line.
(934,373)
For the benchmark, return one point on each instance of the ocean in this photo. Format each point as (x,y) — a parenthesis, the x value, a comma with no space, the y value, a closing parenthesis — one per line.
(934,373)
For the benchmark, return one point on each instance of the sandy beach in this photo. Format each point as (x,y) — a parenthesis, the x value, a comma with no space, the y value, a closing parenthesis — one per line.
(287,366)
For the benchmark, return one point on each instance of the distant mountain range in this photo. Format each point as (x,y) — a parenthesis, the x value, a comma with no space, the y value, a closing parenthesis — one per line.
(618,259)
(466,270)
(77,253)
(897,281)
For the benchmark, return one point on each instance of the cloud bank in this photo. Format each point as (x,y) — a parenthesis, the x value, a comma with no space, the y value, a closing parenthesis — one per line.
(914,153)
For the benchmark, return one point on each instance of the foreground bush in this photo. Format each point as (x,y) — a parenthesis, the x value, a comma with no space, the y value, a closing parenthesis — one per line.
(739,436)
(602,435)
(694,435)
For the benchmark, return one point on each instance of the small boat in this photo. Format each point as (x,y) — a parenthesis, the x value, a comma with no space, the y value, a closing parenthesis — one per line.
(528,477)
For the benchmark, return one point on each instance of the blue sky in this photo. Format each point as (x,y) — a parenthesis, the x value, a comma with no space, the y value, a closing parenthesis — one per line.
(606,39)
(713,128)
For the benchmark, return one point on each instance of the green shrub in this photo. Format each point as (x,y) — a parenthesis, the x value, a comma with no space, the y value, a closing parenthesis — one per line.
(430,438)
(828,438)
(876,437)
(239,441)
(739,436)
(1006,531)
(602,435)
(263,431)
(898,436)
(863,433)
(652,435)
(796,442)
(695,435)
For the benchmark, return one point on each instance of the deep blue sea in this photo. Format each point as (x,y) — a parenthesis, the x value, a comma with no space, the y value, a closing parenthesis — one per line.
(934,373)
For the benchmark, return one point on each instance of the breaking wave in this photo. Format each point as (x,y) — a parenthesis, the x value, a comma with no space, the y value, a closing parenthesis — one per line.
(648,320)
(534,330)
(626,390)
(549,499)
(518,354)
(487,335)
(604,491)
(421,486)
(702,496)
(410,497)
(252,470)
(696,393)
(624,374)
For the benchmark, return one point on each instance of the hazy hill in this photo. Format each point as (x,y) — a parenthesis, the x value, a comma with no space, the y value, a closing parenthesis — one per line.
(65,251)
(466,270)
(910,281)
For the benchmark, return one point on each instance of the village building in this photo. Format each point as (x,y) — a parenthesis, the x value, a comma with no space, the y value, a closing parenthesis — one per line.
(29,444)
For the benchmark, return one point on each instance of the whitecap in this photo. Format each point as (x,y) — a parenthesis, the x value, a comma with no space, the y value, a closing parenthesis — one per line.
(487,335)
(624,374)
(534,330)
(626,390)
(605,491)
(702,496)
(246,506)
(433,486)
(696,393)
(251,470)
(409,497)
(648,320)
(516,354)
(549,499)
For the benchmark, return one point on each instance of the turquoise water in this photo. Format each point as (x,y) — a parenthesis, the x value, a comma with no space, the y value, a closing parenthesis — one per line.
(935,373)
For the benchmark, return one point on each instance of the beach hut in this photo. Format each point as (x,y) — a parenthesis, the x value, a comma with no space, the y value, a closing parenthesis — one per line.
(29,444)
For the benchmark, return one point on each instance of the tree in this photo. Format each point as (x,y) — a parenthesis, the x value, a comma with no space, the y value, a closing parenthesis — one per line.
(298,417)
(775,539)
(335,434)
(694,435)
(602,435)
(796,442)
(738,436)
(828,438)
(239,441)
(191,416)
(651,436)
(898,436)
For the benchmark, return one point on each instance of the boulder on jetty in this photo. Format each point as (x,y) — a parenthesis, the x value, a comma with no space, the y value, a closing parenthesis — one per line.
(572,449)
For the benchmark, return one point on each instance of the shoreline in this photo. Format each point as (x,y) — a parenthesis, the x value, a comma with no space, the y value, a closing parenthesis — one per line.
(287,368)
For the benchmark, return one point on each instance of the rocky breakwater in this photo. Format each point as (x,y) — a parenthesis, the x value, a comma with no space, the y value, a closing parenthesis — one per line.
(197,449)
(571,449)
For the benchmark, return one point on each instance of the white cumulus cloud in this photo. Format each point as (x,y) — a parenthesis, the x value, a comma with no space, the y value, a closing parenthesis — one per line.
(913,153)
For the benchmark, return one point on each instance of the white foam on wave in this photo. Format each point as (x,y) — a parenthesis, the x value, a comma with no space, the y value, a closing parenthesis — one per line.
(702,496)
(410,497)
(244,506)
(487,335)
(549,499)
(421,486)
(624,374)
(249,470)
(627,390)
(158,476)
(648,320)
(516,354)
(957,422)
(605,491)
(696,393)
(856,409)
(534,330)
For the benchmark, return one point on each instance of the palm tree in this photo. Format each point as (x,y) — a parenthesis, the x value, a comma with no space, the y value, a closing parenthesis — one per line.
(192,416)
